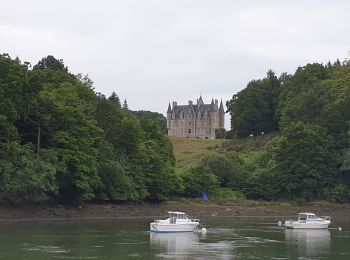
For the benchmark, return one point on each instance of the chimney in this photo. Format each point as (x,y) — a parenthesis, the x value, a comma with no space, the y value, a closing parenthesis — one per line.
(190,103)
(216,103)
(174,104)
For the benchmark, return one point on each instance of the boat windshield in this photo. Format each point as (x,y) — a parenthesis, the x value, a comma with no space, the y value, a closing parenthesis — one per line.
(311,217)
(178,216)
(302,217)
(181,216)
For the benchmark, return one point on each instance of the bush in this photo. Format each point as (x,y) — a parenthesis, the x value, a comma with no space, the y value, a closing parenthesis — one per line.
(339,193)
(226,194)
(198,180)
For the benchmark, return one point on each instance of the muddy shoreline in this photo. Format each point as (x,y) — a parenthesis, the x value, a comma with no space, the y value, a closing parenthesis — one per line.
(101,211)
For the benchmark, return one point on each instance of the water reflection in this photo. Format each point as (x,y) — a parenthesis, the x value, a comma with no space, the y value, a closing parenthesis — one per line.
(174,243)
(310,242)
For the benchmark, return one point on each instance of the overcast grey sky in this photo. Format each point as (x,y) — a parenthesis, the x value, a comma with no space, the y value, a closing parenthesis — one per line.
(155,51)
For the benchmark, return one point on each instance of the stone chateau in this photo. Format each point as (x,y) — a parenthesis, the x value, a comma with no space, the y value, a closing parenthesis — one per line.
(195,120)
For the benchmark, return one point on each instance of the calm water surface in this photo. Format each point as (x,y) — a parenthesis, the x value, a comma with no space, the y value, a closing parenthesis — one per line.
(227,238)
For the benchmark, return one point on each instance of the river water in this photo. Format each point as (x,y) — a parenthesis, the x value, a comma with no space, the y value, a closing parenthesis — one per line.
(226,238)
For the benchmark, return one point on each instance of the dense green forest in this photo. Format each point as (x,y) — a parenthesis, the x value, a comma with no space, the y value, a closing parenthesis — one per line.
(61,141)
(309,156)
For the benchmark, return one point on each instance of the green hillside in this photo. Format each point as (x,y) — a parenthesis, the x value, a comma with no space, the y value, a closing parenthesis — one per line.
(187,148)
(189,151)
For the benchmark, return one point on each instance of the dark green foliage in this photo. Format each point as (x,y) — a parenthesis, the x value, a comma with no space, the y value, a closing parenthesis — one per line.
(149,120)
(60,140)
(155,162)
(220,133)
(114,99)
(23,177)
(228,168)
(51,63)
(310,157)
(305,162)
(200,179)
(338,193)
(253,109)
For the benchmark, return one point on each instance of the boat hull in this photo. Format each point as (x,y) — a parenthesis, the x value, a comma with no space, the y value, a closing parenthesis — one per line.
(184,227)
(311,225)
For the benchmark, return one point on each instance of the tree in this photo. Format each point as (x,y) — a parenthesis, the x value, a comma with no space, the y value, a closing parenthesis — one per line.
(220,133)
(199,179)
(125,105)
(114,98)
(51,63)
(252,110)
(23,177)
(305,162)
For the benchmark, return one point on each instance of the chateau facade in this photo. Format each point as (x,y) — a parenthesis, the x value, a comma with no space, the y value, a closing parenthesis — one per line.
(195,120)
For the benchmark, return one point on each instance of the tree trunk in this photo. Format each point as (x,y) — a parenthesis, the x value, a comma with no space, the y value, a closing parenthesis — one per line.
(38,148)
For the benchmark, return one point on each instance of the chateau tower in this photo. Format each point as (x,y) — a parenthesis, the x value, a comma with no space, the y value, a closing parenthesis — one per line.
(221,116)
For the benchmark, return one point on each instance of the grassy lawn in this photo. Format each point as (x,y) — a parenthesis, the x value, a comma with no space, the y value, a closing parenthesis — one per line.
(187,148)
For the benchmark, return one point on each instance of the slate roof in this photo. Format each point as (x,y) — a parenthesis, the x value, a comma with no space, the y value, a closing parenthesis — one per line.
(195,108)
(221,108)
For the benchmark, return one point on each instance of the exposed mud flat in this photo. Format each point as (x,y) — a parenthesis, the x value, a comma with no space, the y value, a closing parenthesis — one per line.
(92,211)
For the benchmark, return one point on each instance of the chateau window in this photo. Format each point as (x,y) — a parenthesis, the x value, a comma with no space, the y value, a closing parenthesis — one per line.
(182,115)
(189,131)
(173,116)
(190,115)
(189,123)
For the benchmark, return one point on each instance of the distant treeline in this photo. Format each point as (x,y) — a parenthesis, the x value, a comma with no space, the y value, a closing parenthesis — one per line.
(60,141)
(309,157)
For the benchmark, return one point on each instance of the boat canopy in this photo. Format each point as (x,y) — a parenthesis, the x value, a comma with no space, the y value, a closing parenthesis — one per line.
(177,215)
(176,212)
(306,213)
(305,216)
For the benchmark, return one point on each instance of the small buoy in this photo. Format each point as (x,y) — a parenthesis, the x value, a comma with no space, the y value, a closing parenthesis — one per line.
(339,228)
(279,223)
(204,230)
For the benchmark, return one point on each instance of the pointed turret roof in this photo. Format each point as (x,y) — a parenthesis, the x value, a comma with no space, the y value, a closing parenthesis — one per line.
(169,108)
(200,100)
(212,105)
(221,109)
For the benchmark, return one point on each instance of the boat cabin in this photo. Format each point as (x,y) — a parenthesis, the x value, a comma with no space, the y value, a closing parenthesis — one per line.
(175,215)
(306,216)
(303,217)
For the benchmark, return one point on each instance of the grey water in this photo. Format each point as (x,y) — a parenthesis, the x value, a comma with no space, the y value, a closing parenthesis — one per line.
(226,238)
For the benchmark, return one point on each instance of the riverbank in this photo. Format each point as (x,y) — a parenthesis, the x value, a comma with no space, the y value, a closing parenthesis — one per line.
(96,211)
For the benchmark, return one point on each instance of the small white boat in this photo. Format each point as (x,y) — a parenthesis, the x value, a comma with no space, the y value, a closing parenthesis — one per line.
(308,221)
(177,222)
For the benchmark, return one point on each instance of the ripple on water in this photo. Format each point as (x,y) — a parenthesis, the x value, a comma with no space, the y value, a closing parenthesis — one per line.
(49,249)
(76,257)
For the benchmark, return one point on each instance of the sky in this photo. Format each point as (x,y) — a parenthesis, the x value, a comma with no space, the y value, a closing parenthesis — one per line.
(152,52)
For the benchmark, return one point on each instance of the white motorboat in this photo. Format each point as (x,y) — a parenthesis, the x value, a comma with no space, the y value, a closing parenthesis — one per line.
(177,222)
(308,221)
